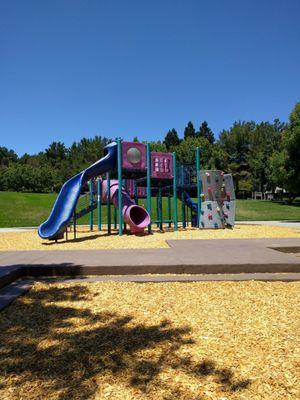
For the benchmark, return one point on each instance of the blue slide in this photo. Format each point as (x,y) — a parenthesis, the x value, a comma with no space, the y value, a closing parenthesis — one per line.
(192,205)
(55,226)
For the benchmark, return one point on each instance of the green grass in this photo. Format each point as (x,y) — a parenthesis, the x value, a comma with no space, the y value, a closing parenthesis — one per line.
(30,209)
(257,210)
(24,209)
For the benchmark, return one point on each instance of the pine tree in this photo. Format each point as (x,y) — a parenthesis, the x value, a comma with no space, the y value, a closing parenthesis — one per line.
(189,130)
(206,132)
(171,139)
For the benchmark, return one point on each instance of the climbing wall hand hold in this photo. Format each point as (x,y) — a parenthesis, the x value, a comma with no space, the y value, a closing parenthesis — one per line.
(202,196)
(207,173)
(227,206)
(225,215)
(209,189)
(228,194)
(218,209)
(210,216)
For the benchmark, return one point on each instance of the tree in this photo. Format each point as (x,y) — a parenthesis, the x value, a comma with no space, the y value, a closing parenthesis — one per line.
(186,151)
(189,131)
(219,157)
(135,139)
(285,164)
(171,139)
(264,140)
(7,156)
(158,146)
(206,132)
(25,178)
(56,152)
(236,142)
(86,152)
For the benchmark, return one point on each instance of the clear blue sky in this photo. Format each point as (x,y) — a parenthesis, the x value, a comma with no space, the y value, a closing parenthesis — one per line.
(74,68)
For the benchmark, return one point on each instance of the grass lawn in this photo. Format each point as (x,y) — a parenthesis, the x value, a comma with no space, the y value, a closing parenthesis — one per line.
(30,209)
(181,341)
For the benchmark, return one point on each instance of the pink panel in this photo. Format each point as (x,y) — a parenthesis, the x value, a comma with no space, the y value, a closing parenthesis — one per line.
(128,147)
(161,165)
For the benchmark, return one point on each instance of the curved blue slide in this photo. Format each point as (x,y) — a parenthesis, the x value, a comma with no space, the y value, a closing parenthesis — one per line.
(192,205)
(55,226)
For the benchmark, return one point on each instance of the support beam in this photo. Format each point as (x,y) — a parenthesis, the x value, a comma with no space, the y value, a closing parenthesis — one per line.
(99,203)
(91,205)
(120,205)
(175,192)
(198,167)
(148,160)
(108,203)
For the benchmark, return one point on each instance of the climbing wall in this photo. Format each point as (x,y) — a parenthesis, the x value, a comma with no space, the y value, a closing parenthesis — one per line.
(229,200)
(218,200)
(211,215)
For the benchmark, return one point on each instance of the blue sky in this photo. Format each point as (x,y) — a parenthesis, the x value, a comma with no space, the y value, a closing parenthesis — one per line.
(74,68)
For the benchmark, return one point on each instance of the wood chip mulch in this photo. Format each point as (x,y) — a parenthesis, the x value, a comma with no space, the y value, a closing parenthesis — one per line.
(108,340)
(86,240)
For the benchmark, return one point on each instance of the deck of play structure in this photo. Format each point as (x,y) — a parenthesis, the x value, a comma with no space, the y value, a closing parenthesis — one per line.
(130,171)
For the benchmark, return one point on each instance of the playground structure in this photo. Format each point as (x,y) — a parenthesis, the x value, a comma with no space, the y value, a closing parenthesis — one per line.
(128,172)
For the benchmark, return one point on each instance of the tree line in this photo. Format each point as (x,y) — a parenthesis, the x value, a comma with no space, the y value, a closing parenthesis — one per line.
(261,156)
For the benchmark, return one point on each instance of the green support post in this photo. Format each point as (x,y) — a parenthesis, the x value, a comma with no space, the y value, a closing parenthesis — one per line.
(74,223)
(148,160)
(198,166)
(115,218)
(108,203)
(124,223)
(120,205)
(157,209)
(99,202)
(169,211)
(183,210)
(186,210)
(160,214)
(91,204)
(136,193)
(175,192)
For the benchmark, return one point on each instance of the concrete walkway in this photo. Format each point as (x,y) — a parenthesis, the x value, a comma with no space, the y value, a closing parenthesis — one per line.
(19,229)
(222,256)
(183,261)
(283,224)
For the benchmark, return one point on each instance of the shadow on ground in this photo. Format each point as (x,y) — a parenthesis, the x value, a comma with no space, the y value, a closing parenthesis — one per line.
(41,347)
(80,239)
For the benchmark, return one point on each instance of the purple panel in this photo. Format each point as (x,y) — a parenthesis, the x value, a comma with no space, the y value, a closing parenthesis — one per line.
(129,186)
(133,156)
(161,165)
(142,192)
